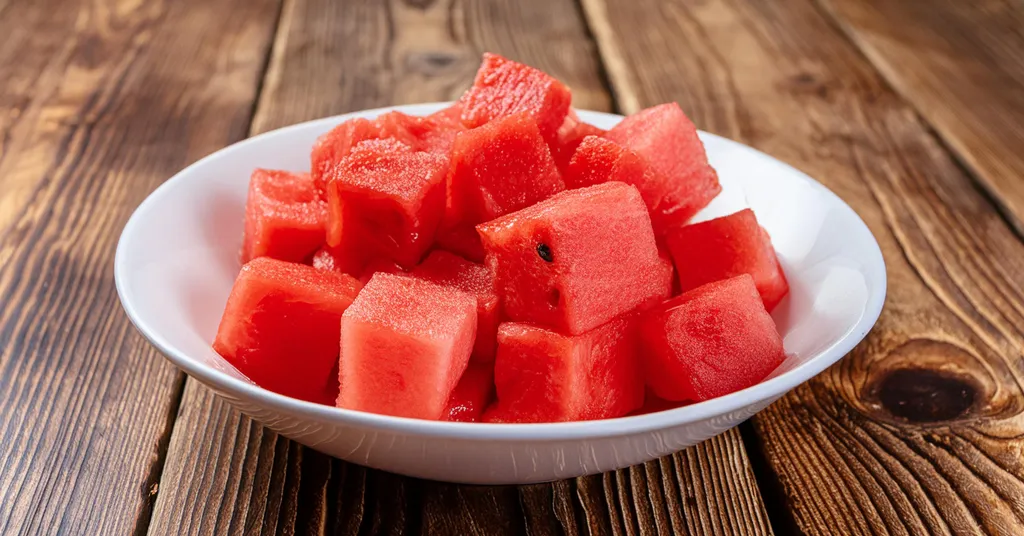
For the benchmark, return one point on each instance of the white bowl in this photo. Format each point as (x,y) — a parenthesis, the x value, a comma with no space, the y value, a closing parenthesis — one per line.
(178,256)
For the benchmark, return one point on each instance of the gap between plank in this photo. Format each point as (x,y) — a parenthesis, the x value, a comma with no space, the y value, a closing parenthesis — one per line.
(602,70)
(153,480)
(776,505)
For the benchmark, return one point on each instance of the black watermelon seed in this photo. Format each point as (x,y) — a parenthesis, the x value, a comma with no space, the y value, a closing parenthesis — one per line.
(545,252)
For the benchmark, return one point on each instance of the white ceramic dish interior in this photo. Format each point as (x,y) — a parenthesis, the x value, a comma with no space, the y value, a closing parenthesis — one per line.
(178,256)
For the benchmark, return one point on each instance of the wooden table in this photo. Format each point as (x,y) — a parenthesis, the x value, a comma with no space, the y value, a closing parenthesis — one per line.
(910,110)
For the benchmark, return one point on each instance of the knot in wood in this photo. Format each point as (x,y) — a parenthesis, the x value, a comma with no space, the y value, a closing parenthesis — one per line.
(431,63)
(933,383)
(925,396)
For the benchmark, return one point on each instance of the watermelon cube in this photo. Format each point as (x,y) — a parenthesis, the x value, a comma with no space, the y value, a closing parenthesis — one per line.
(335,145)
(405,343)
(386,205)
(599,160)
(281,326)
(568,138)
(503,87)
(578,259)
(668,141)
(451,270)
(471,395)
(440,129)
(498,168)
(543,376)
(284,218)
(433,133)
(727,247)
(710,341)
(449,118)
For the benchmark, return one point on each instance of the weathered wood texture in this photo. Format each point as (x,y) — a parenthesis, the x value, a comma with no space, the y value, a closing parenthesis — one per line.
(227,475)
(961,64)
(100,102)
(239,478)
(920,429)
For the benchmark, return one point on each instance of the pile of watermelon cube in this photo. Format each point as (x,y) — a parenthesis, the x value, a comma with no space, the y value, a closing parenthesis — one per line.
(502,261)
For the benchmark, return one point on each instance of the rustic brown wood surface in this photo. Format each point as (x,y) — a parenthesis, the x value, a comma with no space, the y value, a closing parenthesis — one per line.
(239,478)
(961,65)
(920,430)
(100,102)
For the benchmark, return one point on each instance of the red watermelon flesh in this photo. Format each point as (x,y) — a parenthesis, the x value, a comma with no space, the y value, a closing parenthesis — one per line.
(386,205)
(284,218)
(668,271)
(449,118)
(462,241)
(451,270)
(376,148)
(599,160)
(567,140)
(653,404)
(331,259)
(576,260)
(726,247)
(435,132)
(710,341)
(543,376)
(405,132)
(498,168)
(335,145)
(379,265)
(666,260)
(668,141)
(405,343)
(281,325)
(444,126)
(503,87)
(471,395)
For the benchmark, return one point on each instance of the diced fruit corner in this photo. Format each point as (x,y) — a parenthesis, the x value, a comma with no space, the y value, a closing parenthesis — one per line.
(502,261)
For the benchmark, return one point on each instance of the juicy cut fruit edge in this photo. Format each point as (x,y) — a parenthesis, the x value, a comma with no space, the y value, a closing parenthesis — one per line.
(666,139)
(386,205)
(710,341)
(472,394)
(281,325)
(544,376)
(577,259)
(726,247)
(503,87)
(500,167)
(284,217)
(448,269)
(405,343)
(433,133)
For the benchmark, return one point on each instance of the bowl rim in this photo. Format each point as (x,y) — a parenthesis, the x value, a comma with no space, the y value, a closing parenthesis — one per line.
(768,390)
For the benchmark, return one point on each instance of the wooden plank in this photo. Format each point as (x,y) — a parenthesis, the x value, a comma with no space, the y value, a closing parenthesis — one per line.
(919,429)
(961,64)
(102,101)
(332,57)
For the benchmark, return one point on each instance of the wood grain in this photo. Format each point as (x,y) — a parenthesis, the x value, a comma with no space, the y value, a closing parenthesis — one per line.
(961,64)
(101,102)
(920,429)
(332,57)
